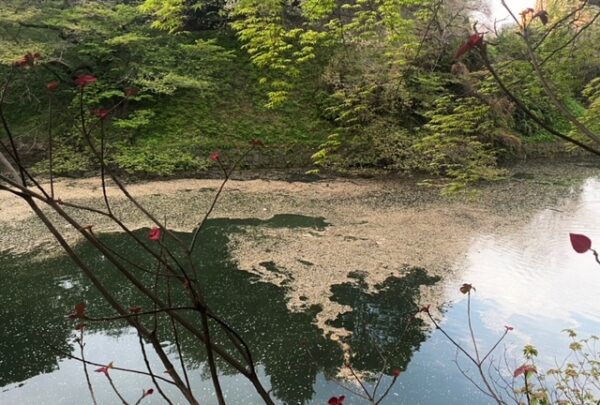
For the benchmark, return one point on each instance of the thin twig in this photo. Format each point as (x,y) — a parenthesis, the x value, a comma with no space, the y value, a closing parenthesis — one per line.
(85,370)
(150,372)
(112,384)
(135,314)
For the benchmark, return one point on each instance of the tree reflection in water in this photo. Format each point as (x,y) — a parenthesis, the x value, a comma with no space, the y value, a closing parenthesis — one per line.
(38,294)
(382,323)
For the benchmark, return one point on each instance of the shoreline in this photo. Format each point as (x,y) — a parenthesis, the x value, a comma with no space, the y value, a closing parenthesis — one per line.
(387,203)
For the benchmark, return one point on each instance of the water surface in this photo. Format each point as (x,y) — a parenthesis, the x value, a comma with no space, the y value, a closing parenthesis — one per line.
(530,279)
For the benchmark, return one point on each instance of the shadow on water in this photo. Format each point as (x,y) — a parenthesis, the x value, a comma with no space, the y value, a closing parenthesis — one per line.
(37,296)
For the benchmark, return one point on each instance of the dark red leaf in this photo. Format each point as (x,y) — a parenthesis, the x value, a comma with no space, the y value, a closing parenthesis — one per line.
(508,328)
(543,16)
(27,60)
(476,39)
(396,372)
(84,80)
(101,113)
(473,41)
(154,234)
(462,50)
(78,311)
(257,143)
(580,243)
(215,156)
(52,85)
(336,400)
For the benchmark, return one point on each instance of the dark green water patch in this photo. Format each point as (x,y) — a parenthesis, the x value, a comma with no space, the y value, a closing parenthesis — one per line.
(37,296)
(385,332)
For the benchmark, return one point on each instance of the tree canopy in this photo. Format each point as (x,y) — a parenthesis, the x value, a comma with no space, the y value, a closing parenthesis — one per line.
(376,83)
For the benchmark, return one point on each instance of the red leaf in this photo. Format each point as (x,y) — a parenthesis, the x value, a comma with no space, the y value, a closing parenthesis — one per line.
(27,60)
(476,39)
(84,80)
(462,50)
(580,243)
(154,234)
(524,370)
(215,156)
(396,372)
(149,391)
(336,400)
(52,85)
(257,143)
(473,41)
(105,368)
(78,311)
(508,328)
(101,113)
(131,92)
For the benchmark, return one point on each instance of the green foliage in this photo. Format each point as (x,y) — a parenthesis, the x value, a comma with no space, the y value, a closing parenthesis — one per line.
(137,120)
(373,82)
(371,89)
(281,37)
(158,161)
(167,14)
(269,43)
(456,142)
(197,91)
(591,115)
(178,15)
(573,381)
(67,161)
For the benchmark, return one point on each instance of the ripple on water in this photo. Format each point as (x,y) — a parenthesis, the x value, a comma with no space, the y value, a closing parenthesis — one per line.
(534,280)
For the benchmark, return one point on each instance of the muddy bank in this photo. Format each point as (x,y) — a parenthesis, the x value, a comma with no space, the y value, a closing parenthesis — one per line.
(380,227)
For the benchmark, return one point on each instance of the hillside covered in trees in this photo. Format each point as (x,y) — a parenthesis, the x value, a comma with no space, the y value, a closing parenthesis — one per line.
(360,84)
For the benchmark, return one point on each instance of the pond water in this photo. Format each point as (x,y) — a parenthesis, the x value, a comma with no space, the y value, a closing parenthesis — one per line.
(530,279)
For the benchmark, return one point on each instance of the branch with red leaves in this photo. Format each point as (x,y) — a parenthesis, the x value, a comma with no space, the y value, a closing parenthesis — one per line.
(170,261)
(527,17)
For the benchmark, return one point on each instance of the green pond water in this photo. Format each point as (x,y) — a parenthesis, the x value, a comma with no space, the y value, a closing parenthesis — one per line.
(531,280)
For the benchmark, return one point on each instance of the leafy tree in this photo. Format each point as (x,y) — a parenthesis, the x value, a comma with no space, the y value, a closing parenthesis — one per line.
(113,41)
